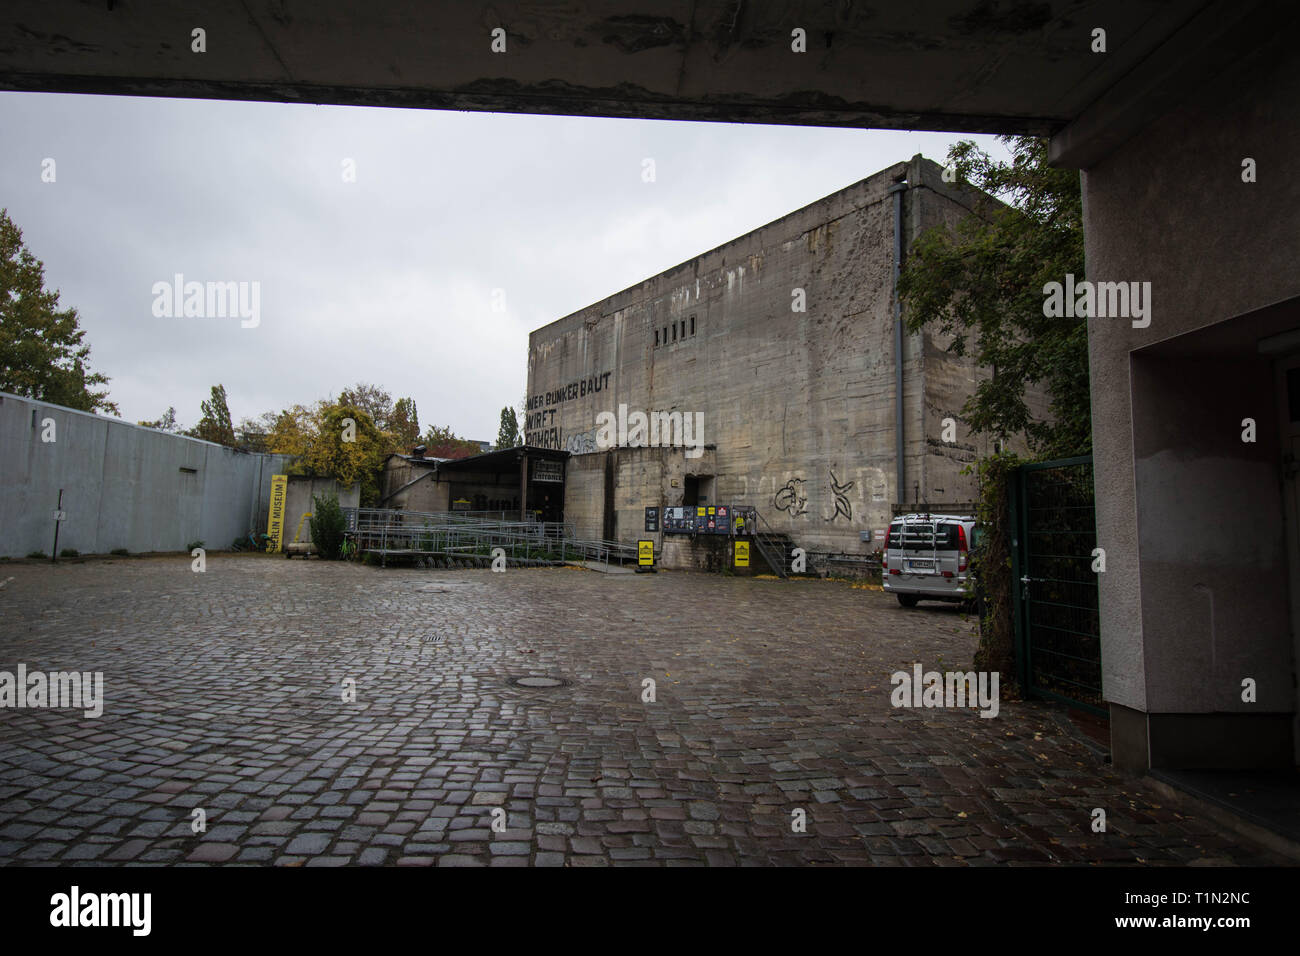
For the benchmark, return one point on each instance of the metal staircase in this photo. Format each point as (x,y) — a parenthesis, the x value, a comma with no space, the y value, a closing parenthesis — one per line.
(774,546)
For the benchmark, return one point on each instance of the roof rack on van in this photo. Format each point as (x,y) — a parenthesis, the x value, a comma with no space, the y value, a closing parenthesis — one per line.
(916,517)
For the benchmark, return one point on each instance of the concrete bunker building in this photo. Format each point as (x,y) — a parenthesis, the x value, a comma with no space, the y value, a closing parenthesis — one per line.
(783,347)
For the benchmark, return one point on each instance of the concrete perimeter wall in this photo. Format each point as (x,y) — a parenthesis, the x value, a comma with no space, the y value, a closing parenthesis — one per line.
(299,501)
(124,486)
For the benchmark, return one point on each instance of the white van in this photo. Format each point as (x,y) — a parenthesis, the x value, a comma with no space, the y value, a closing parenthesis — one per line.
(927,557)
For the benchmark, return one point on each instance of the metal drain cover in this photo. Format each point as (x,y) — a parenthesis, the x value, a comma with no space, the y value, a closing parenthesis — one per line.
(538,682)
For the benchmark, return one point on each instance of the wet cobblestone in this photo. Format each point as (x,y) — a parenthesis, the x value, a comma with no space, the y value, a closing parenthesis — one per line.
(224,693)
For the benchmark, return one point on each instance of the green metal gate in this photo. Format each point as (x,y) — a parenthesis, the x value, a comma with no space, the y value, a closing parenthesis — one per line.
(1054,532)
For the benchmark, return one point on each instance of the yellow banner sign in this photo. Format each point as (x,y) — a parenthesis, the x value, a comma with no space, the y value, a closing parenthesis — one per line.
(742,554)
(275,518)
(645,553)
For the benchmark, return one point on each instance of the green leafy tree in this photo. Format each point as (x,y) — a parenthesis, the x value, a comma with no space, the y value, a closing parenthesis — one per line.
(42,350)
(443,443)
(215,425)
(348,446)
(508,434)
(287,432)
(165,424)
(982,284)
(404,425)
(254,434)
(372,400)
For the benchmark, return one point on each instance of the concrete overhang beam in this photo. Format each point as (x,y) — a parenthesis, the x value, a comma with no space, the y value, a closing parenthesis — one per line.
(1209,42)
(956,65)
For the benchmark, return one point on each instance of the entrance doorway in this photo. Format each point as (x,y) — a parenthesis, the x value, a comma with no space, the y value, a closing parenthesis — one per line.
(697,490)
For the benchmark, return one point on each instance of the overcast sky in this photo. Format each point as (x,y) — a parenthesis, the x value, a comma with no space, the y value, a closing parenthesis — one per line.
(388,279)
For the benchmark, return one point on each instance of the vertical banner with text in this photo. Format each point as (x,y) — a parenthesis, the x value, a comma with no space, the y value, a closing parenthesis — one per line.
(275,518)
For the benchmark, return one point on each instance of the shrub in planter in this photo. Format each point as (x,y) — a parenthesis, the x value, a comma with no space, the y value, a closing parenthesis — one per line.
(327,527)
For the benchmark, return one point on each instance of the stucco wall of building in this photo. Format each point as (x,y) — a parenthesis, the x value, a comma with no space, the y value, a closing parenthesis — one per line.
(1191,516)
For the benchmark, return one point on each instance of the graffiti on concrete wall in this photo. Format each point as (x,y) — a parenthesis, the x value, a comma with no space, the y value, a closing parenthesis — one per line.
(842,504)
(540,427)
(791,499)
(582,443)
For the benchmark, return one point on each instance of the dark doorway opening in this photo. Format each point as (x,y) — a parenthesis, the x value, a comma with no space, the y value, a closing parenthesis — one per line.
(691,490)
(610,524)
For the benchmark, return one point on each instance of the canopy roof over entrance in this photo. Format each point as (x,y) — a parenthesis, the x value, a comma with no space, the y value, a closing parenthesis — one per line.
(506,459)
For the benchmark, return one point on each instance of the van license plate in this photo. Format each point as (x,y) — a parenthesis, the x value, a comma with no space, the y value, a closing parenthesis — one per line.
(920,565)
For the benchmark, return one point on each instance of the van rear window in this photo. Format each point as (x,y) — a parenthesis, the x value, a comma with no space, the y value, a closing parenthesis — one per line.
(916,535)
(939,536)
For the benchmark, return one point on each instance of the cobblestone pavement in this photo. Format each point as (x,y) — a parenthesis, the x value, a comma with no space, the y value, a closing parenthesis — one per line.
(223,693)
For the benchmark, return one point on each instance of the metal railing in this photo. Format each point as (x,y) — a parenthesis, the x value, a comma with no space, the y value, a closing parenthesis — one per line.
(763,530)
(822,562)
(473,538)
(832,561)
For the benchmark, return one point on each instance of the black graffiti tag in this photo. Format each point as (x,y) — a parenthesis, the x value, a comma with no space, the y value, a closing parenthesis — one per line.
(791,498)
(842,504)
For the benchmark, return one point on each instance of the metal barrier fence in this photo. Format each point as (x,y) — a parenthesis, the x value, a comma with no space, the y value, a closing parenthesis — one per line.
(833,562)
(471,538)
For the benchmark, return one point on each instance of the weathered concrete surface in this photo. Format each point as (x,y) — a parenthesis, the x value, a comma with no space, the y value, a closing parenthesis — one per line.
(797,406)
(409,486)
(222,693)
(945,64)
(123,486)
(299,500)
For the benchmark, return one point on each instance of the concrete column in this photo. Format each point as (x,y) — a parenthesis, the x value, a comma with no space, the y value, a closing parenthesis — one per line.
(1194,598)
